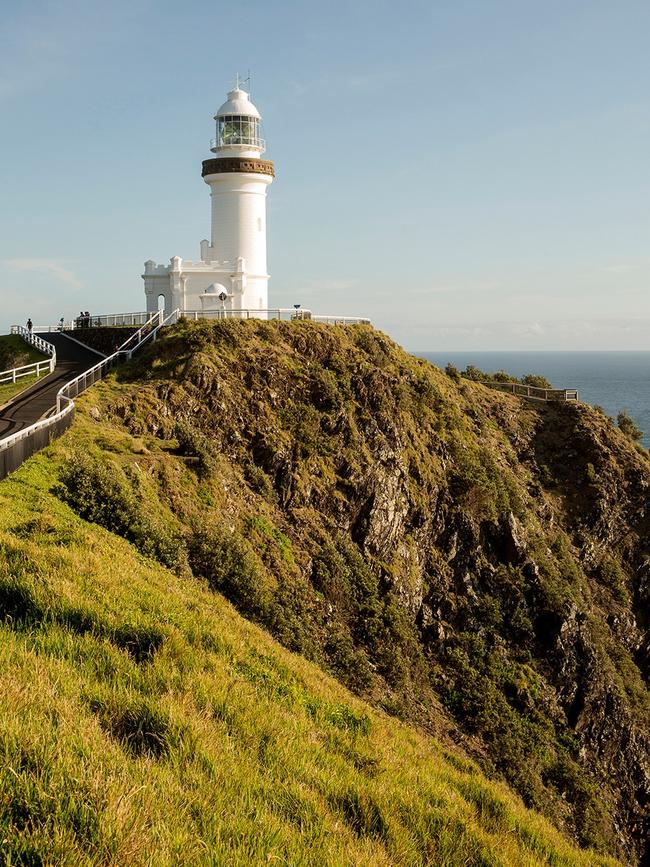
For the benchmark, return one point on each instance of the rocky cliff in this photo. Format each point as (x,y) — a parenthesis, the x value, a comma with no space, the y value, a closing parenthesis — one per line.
(470,563)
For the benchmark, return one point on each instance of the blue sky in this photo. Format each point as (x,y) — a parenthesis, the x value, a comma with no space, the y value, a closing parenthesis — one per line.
(471,175)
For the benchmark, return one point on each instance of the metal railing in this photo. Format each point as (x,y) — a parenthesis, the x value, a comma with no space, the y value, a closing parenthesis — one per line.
(141,318)
(152,335)
(246,141)
(17,447)
(341,320)
(288,314)
(111,320)
(80,383)
(534,393)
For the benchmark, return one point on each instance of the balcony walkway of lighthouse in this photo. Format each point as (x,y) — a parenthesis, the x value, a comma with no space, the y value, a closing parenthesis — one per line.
(37,400)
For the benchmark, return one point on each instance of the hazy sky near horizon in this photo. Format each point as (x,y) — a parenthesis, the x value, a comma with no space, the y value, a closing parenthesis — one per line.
(471,174)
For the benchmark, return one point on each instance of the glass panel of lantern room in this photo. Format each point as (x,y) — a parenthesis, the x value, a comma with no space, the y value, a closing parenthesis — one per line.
(237,129)
(228,131)
(250,130)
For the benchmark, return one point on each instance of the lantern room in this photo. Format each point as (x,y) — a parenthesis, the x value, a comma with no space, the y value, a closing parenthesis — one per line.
(238,127)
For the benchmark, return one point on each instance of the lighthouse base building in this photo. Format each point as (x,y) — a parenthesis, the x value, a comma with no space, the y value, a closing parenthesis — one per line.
(232,272)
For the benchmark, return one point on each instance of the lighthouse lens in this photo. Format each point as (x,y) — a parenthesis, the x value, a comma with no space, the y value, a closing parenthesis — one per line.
(239,130)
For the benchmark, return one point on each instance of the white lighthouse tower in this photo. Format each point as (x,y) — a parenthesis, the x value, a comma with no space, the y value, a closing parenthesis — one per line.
(232,273)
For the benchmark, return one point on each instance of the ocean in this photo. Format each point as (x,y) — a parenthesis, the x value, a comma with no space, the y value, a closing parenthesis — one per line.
(615,380)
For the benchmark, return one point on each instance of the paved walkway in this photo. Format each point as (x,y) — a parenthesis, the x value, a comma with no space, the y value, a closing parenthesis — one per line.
(39,398)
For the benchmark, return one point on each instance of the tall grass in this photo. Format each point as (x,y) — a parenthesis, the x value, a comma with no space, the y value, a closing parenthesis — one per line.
(144,722)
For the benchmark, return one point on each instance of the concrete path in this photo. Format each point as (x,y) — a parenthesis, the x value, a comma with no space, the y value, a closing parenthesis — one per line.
(38,399)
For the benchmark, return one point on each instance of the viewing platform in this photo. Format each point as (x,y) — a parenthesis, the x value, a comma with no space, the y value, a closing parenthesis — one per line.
(113,320)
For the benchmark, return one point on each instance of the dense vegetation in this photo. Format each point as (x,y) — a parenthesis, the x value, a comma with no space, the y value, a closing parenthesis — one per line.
(477,375)
(144,722)
(461,560)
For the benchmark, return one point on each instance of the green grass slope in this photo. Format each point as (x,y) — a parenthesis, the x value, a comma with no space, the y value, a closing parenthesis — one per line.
(144,722)
(14,352)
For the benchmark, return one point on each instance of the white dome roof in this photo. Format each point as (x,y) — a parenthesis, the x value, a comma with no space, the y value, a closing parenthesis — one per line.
(238,103)
(216,289)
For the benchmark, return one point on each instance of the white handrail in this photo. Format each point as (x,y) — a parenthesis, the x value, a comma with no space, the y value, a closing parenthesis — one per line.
(27,370)
(95,373)
(109,320)
(170,319)
(64,401)
(34,340)
(285,313)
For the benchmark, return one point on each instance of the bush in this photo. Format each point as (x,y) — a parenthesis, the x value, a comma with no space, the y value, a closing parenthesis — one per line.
(100,493)
(628,427)
(229,565)
(502,376)
(536,381)
(194,443)
(475,374)
(452,372)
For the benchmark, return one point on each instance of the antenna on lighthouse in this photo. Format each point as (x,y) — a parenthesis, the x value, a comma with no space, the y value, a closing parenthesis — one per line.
(248,81)
(239,82)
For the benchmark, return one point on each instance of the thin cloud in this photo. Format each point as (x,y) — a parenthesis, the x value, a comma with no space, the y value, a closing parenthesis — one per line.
(624,268)
(47,266)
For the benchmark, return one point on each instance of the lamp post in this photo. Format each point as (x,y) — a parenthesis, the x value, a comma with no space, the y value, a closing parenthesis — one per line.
(222,297)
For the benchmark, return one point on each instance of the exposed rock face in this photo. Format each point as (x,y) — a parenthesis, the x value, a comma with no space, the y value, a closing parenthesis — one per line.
(475,564)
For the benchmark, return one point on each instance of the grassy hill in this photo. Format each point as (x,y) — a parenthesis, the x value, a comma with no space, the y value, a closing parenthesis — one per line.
(469,567)
(143,721)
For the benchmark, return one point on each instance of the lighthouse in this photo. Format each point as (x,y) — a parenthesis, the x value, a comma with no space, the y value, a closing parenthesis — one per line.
(232,272)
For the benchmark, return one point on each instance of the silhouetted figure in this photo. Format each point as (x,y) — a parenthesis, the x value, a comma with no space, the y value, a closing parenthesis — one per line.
(30,325)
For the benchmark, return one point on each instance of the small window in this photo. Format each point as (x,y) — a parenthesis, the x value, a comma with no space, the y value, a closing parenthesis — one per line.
(259,224)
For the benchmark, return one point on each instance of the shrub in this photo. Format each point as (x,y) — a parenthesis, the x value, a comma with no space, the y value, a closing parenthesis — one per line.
(260,482)
(628,427)
(229,565)
(502,376)
(100,492)
(194,443)
(536,381)
(452,372)
(612,576)
(475,374)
